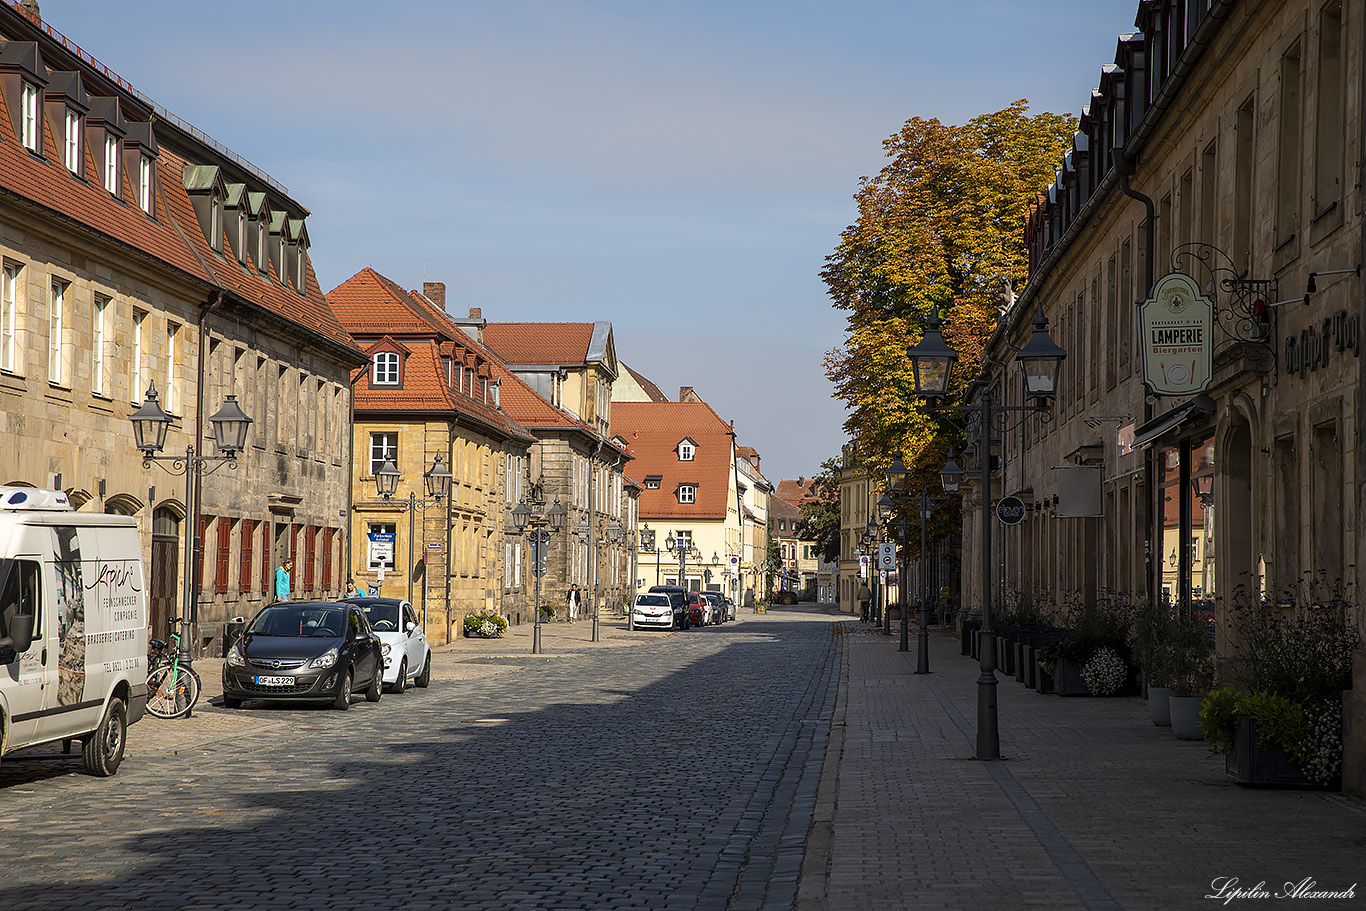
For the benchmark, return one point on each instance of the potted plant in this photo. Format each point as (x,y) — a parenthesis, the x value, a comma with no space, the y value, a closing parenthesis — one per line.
(1280,722)
(1094,658)
(1189,662)
(484,625)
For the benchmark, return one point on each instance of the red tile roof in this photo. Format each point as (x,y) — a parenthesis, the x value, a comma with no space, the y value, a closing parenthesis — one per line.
(378,312)
(653,431)
(171,236)
(796,492)
(539,343)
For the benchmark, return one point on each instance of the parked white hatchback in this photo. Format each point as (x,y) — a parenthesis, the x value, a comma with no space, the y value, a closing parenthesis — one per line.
(407,657)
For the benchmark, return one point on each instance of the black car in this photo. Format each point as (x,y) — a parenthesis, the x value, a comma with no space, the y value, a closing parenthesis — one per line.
(305,650)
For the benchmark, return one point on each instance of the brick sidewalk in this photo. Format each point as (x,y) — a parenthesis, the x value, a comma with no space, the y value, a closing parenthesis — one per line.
(1092,806)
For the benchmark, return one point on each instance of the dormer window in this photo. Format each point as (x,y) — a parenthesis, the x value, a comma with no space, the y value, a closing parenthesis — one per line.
(652,481)
(385,369)
(204,184)
(686,449)
(29,125)
(687,493)
(110,176)
(71,145)
(145,183)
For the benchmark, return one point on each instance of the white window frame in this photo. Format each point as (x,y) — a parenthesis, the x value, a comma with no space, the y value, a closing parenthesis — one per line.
(111,164)
(686,451)
(71,142)
(9,315)
(145,183)
(139,323)
(383,447)
(172,343)
(99,323)
(687,493)
(56,332)
(28,116)
(388,374)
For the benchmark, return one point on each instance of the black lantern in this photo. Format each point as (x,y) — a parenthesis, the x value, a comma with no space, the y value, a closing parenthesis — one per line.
(438,479)
(932,360)
(556,514)
(1041,359)
(896,474)
(150,423)
(386,479)
(951,475)
(520,516)
(230,425)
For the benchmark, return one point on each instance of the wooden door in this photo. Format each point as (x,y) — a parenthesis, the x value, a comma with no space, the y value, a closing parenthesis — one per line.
(165,570)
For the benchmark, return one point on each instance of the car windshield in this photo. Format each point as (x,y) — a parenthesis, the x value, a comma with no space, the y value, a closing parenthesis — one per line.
(299,620)
(383,616)
(653,600)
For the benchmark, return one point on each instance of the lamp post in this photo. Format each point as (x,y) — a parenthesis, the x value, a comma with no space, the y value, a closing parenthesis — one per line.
(539,538)
(438,483)
(614,535)
(230,424)
(932,363)
(683,548)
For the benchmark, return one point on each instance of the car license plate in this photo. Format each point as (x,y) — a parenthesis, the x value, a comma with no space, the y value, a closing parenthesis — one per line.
(274,681)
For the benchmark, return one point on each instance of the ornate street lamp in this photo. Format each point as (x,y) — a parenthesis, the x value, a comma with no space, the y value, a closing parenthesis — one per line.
(524,517)
(932,361)
(229,425)
(438,483)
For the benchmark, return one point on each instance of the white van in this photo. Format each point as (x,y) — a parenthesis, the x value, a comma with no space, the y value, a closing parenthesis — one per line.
(73,626)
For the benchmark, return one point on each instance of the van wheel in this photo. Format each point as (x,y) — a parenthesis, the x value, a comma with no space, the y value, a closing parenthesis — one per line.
(103,749)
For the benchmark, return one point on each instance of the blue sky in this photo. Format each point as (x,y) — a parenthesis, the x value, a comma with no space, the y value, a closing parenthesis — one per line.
(680,169)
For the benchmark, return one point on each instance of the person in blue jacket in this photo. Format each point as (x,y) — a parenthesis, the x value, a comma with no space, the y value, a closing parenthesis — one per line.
(282,579)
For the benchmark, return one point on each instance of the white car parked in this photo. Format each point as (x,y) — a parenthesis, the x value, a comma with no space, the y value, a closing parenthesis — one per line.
(659,611)
(407,657)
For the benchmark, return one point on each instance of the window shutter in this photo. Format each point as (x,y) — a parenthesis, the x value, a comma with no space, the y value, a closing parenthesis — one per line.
(244,563)
(220,575)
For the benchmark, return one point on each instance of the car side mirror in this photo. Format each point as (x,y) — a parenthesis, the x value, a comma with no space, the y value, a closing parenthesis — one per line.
(410,626)
(20,633)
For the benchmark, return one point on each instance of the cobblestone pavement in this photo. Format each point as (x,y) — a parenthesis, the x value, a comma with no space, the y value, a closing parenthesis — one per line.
(650,770)
(1092,806)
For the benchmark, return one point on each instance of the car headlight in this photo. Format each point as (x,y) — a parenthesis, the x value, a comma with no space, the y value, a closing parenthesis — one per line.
(326,659)
(235,656)
(384,649)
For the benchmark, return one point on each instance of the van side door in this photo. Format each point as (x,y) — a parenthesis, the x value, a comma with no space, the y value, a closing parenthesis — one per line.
(29,680)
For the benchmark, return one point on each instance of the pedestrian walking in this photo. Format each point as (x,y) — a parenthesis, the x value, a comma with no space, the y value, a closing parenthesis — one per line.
(864,598)
(574,600)
(282,579)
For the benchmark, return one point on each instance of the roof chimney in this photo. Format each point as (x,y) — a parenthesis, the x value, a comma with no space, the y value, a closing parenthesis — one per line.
(476,313)
(686,394)
(801,480)
(29,10)
(435,292)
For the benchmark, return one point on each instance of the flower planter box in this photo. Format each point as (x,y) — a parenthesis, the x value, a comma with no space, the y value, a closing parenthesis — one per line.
(1255,764)
(1160,706)
(1067,679)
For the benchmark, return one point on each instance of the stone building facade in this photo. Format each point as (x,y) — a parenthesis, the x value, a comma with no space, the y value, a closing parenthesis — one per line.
(138,253)
(430,391)
(1225,144)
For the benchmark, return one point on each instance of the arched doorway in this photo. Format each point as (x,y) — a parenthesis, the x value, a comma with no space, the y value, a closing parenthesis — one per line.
(165,569)
(1236,554)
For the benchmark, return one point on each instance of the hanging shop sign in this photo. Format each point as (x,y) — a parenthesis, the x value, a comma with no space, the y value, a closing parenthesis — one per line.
(1010,510)
(1310,348)
(1176,328)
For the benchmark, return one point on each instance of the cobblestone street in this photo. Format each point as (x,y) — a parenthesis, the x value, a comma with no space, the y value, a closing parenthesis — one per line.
(677,772)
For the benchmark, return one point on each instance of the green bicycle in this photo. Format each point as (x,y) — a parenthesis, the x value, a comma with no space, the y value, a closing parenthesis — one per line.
(172,690)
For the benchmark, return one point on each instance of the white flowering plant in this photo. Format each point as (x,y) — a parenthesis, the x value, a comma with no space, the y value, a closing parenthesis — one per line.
(485,625)
(1106,672)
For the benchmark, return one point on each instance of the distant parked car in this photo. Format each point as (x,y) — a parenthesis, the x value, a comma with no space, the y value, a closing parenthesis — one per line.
(718,606)
(407,656)
(305,650)
(699,609)
(657,610)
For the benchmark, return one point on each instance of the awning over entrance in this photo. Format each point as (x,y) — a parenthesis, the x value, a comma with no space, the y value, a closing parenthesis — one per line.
(1197,409)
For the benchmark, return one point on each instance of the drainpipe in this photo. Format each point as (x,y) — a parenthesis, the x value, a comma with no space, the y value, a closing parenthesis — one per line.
(1125,167)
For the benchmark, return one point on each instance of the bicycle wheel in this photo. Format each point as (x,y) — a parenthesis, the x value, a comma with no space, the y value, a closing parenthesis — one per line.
(171,691)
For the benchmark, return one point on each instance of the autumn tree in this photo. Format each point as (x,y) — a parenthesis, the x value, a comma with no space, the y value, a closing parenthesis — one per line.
(942,225)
